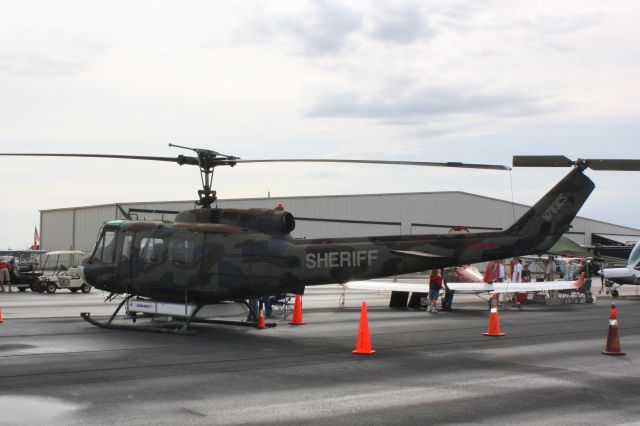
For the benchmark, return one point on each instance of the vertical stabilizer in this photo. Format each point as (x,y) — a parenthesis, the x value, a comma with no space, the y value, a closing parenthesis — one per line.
(544,223)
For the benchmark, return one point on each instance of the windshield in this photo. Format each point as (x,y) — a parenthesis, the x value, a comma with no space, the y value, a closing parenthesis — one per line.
(105,247)
(634,257)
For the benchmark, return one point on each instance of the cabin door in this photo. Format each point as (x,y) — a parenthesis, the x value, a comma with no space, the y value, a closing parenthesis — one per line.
(124,270)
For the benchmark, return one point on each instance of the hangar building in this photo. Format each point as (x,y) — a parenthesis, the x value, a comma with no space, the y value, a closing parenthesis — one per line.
(76,228)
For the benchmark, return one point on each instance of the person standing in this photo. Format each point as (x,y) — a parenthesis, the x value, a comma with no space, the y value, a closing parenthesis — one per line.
(526,278)
(526,273)
(550,272)
(5,278)
(589,269)
(516,277)
(593,272)
(447,301)
(435,284)
(14,270)
(501,275)
(549,275)
(253,305)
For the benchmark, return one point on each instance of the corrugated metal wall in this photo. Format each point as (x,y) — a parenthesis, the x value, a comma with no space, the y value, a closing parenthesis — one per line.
(56,229)
(315,229)
(328,216)
(87,224)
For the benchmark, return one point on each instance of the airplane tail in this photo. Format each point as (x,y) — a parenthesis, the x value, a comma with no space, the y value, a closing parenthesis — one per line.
(493,271)
(544,223)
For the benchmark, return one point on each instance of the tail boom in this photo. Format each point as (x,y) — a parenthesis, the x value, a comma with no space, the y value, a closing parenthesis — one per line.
(346,259)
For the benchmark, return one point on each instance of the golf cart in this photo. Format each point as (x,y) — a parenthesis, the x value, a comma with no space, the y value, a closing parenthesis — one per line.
(60,270)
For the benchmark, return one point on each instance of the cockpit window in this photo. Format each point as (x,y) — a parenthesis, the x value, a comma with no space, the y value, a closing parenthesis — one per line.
(151,250)
(106,247)
(634,257)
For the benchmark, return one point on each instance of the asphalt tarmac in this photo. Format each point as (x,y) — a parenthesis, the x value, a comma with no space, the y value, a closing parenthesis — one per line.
(428,368)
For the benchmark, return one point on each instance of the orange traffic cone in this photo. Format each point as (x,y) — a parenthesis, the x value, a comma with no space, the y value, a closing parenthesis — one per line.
(1,320)
(494,321)
(613,338)
(363,347)
(261,323)
(297,312)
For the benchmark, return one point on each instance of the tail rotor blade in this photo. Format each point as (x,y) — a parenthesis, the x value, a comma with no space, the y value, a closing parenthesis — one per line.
(615,165)
(625,165)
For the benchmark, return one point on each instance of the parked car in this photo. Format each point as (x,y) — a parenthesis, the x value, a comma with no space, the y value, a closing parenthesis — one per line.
(27,278)
(28,263)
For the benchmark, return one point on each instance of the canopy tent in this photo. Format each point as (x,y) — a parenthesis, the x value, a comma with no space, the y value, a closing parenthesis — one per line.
(615,239)
(569,248)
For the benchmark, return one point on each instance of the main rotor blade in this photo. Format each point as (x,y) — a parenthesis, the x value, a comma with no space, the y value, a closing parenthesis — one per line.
(405,163)
(541,161)
(181,159)
(615,165)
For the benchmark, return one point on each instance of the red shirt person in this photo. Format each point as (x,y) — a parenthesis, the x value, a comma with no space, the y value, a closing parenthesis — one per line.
(4,275)
(435,284)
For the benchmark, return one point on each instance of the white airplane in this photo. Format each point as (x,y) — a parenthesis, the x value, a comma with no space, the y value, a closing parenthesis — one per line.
(630,274)
(474,282)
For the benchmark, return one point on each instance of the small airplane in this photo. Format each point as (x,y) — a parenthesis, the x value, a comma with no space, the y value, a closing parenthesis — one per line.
(629,275)
(210,256)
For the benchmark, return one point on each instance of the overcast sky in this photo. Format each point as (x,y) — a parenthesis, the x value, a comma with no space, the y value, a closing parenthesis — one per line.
(462,81)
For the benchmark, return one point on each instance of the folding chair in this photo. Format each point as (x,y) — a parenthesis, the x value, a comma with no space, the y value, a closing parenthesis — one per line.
(281,305)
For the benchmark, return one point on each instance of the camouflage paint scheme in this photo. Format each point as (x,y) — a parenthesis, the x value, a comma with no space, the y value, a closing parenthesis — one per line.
(245,253)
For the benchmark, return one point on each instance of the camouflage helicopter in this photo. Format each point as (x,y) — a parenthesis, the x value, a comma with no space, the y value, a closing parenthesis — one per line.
(207,256)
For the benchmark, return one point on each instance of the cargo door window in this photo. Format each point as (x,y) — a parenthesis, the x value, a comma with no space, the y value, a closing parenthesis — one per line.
(151,250)
(127,245)
(106,247)
(182,251)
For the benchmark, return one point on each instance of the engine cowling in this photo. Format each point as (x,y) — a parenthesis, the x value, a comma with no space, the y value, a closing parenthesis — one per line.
(268,221)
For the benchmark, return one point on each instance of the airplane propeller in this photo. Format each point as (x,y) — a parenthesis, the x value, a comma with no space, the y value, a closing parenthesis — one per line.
(207,160)
(562,161)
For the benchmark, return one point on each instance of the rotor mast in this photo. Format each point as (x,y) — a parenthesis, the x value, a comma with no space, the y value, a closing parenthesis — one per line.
(208,160)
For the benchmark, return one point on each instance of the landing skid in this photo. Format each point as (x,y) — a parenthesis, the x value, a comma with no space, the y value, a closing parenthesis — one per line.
(181,328)
(167,330)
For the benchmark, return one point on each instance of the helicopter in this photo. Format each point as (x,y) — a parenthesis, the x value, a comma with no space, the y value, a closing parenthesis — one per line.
(210,256)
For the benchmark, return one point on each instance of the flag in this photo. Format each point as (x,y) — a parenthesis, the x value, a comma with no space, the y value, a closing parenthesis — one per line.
(36,238)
